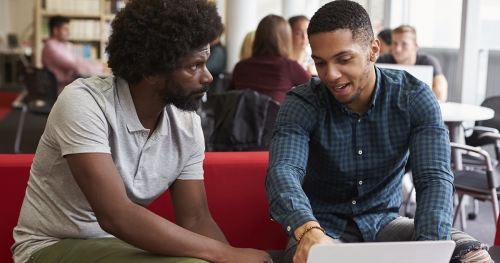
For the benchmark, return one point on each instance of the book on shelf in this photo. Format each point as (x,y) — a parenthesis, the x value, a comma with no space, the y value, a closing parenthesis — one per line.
(113,6)
(85,29)
(87,50)
(73,6)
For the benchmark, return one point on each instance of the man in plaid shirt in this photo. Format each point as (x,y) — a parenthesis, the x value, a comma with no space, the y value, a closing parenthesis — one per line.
(342,142)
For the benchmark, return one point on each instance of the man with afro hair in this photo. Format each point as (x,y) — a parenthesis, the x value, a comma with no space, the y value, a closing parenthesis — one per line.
(111,146)
(342,141)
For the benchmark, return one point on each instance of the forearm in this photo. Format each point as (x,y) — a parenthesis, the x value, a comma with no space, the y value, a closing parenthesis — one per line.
(434,214)
(206,226)
(143,229)
(440,88)
(289,205)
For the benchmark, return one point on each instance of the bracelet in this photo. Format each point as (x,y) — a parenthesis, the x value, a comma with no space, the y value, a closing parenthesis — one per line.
(307,230)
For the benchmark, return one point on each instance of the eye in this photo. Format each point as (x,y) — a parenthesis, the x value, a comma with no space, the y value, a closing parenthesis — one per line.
(319,63)
(194,67)
(344,60)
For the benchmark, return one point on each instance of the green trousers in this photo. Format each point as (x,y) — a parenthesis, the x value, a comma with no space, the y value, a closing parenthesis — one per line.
(102,250)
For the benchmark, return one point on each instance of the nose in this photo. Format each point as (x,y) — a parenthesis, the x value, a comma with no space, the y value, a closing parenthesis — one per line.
(396,48)
(332,74)
(206,77)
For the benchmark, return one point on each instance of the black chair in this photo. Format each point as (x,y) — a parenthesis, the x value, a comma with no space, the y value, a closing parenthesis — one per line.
(481,184)
(483,135)
(41,85)
(243,121)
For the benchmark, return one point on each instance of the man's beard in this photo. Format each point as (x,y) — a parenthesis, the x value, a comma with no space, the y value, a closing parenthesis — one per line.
(361,87)
(172,93)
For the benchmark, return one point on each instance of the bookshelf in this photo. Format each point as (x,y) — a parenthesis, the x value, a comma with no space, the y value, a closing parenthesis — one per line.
(89,25)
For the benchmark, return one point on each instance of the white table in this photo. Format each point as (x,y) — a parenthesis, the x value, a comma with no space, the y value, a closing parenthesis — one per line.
(454,114)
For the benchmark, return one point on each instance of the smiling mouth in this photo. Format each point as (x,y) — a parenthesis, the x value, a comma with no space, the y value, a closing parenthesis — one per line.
(340,88)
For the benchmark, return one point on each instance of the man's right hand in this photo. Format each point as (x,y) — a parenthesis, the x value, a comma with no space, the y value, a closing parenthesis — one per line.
(312,237)
(249,255)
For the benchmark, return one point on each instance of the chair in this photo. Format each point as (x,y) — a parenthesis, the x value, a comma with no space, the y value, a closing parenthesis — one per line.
(41,85)
(219,83)
(243,121)
(480,184)
(483,135)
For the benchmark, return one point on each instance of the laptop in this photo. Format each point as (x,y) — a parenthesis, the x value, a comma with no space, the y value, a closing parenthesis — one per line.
(425,73)
(383,252)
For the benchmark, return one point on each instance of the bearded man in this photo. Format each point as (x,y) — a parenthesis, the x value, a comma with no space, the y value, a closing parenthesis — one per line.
(112,146)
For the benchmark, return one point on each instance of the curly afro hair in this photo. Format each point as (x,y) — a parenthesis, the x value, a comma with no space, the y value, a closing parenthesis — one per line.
(343,15)
(154,36)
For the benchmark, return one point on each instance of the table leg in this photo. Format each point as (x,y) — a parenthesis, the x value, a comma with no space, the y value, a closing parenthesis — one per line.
(456,135)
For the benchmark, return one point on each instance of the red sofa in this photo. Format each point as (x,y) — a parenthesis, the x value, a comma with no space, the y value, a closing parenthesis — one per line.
(234,183)
(495,249)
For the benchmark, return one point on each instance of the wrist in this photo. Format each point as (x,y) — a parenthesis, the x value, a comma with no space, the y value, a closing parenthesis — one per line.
(310,229)
(302,229)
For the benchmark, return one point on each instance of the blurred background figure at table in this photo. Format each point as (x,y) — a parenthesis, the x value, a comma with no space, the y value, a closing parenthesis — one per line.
(301,49)
(270,70)
(404,50)
(216,63)
(58,57)
(385,41)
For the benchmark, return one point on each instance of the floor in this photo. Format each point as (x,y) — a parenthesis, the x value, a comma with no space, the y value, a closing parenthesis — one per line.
(482,228)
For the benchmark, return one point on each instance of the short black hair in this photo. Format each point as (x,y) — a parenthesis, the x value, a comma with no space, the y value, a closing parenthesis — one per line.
(151,37)
(294,19)
(57,21)
(386,36)
(342,15)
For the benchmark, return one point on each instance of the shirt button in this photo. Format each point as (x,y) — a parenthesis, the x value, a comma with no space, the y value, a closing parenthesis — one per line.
(144,133)
(353,202)
(359,120)
(360,182)
(360,152)
(288,228)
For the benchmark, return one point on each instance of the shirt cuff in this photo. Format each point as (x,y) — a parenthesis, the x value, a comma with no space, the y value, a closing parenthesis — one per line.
(296,219)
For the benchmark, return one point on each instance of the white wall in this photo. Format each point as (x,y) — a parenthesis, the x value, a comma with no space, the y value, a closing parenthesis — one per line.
(435,27)
(490,22)
(20,18)
(4,21)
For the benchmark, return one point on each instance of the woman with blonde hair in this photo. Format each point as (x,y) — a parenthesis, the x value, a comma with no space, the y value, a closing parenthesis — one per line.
(270,70)
(246,46)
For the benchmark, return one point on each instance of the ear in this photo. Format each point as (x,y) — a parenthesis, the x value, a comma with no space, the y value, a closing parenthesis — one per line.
(374,49)
(151,79)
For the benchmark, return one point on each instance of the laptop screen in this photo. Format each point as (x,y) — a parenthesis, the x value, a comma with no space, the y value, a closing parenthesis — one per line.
(425,73)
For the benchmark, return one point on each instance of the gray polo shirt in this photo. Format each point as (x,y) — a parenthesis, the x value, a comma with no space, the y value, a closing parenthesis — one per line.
(98,115)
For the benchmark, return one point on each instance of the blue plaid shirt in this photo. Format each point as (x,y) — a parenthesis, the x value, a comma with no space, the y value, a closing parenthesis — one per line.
(328,164)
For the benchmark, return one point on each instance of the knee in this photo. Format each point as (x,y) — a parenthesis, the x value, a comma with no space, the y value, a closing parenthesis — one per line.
(471,252)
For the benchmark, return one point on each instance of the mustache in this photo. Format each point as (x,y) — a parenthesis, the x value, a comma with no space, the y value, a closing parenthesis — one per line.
(201,89)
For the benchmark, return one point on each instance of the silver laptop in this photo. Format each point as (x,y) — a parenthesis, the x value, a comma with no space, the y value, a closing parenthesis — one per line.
(383,252)
(425,73)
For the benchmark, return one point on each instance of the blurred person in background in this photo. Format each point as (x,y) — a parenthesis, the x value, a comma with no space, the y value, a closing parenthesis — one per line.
(216,63)
(301,52)
(270,70)
(385,41)
(246,46)
(58,57)
(404,50)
